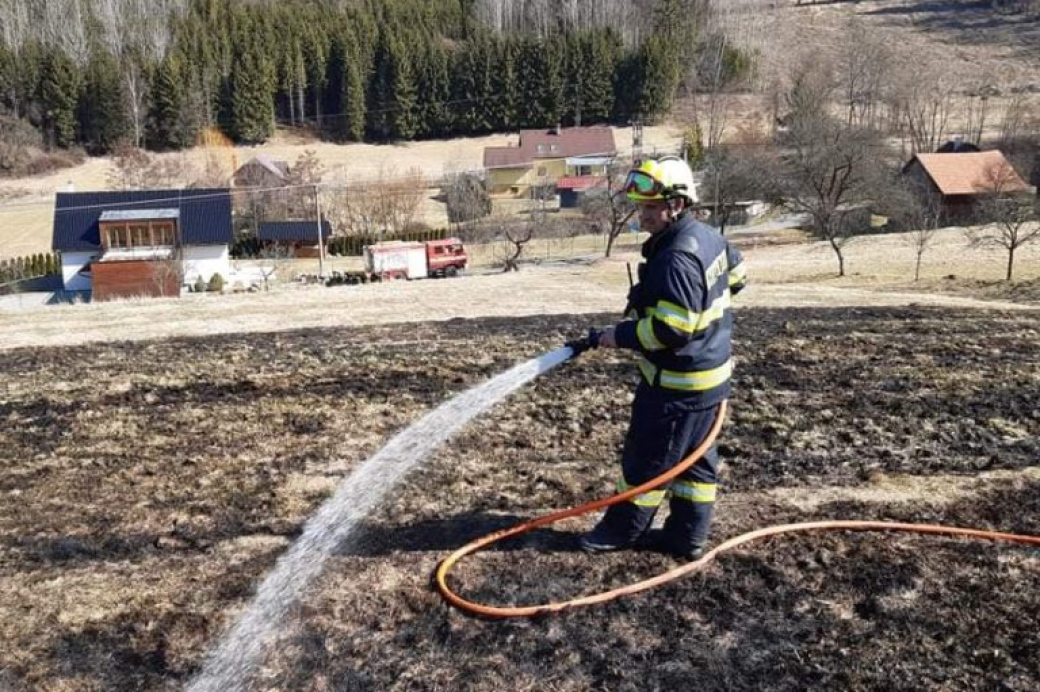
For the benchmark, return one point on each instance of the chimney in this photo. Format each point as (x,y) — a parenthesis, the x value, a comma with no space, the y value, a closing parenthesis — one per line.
(557,128)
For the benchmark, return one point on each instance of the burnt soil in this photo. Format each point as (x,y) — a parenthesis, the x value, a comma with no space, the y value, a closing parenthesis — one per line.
(148,486)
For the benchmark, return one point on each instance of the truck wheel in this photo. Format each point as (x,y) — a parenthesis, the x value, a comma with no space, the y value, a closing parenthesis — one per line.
(451,272)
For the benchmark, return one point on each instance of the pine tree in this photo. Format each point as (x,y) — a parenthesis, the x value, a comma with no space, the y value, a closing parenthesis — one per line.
(354,99)
(380,92)
(553,66)
(102,116)
(434,83)
(404,121)
(251,84)
(660,78)
(315,52)
(167,105)
(59,96)
(601,55)
(505,86)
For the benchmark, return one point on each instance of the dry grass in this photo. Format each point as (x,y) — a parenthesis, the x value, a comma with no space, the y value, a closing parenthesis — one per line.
(565,276)
(26,217)
(145,499)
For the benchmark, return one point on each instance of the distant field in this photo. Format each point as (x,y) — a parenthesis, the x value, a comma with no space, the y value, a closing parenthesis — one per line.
(560,277)
(26,219)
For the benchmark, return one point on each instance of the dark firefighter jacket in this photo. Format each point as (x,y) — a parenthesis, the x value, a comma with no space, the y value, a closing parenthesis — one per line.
(682,305)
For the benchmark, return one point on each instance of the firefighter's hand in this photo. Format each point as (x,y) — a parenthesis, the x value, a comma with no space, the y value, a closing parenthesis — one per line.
(606,338)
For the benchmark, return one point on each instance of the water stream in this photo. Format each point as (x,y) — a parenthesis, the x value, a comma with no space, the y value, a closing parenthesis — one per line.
(232,663)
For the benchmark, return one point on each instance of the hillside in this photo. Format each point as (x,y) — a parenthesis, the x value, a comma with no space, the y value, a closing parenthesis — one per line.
(27,204)
(972,45)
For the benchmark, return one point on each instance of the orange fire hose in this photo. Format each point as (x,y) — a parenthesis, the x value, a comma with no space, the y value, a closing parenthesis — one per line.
(491,611)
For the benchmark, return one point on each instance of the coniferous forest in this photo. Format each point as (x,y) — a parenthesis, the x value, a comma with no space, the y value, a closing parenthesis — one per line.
(156,73)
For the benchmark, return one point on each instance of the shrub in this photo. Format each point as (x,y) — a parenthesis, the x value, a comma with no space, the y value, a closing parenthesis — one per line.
(216,283)
(200,285)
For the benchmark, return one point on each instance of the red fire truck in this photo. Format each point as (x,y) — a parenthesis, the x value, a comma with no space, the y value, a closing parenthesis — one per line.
(414,260)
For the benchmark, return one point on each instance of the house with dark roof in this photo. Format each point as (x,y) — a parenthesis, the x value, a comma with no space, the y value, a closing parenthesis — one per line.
(542,157)
(261,171)
(957,181)
(298,238)
(142,242)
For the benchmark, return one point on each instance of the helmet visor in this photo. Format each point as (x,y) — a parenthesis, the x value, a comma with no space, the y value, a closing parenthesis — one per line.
(643,186)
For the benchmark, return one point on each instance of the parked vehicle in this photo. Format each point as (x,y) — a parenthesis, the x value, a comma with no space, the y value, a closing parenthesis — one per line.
(408,260)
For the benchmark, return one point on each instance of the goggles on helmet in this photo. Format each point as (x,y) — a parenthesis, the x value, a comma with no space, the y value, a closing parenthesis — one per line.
(641,186)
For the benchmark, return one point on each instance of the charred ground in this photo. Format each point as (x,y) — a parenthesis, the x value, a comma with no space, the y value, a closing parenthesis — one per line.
(147,487)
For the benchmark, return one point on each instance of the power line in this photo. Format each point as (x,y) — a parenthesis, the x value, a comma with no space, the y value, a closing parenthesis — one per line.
(351,186)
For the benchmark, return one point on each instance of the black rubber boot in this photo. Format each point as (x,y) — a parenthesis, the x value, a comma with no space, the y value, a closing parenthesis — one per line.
(621,527)
(660,542)
(685,532)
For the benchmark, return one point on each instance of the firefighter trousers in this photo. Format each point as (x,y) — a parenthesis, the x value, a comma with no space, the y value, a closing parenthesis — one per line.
(662,433)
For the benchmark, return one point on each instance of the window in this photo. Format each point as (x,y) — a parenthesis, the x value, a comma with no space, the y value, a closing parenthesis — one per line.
(541,171)
(163,233)
(139,235)
(554,148)
(117,236)
(541,148)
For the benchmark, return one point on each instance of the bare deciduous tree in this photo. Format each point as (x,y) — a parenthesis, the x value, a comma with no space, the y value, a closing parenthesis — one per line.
(606,208)
(168,274)
(135,169)
(923,100)
(1010,214)
(466,197)
(385,205)
(865,63)
(127,170)
(829,169)
(735,174)
(17,140)
(911,206)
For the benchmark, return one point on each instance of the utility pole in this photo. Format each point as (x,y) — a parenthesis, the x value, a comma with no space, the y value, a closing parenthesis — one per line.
(321,239)
(637,141)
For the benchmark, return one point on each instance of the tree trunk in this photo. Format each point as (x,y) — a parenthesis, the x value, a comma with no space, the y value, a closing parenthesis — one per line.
(1011,263)
(917,267)
(615,231)
(841,258)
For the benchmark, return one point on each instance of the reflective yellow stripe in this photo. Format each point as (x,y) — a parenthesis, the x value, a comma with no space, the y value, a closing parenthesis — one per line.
(648,370)
(697,381)
(737,274)
(676,316)
(649,499)
(647,338)
(714,313)
(693,492)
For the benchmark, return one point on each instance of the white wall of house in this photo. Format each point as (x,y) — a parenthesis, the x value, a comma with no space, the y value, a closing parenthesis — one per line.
(205,261)
(73,266)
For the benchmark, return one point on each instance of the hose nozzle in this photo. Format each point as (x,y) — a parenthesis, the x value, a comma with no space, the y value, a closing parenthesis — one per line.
(579,346)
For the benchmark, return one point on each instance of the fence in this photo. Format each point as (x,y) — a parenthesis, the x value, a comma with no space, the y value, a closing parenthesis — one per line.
(352,245)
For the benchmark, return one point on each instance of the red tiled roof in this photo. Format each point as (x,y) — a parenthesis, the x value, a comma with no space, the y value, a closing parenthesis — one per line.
(552,144)
(580,182)
(972,173)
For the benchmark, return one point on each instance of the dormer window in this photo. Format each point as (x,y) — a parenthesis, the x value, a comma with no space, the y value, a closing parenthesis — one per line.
(146,228)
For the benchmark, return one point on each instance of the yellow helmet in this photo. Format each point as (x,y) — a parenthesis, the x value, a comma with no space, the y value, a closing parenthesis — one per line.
(656,180)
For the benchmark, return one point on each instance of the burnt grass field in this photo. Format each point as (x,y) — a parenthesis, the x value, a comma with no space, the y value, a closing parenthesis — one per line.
(147,487)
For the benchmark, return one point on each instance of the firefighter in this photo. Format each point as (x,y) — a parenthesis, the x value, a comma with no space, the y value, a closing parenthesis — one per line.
(679,321)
